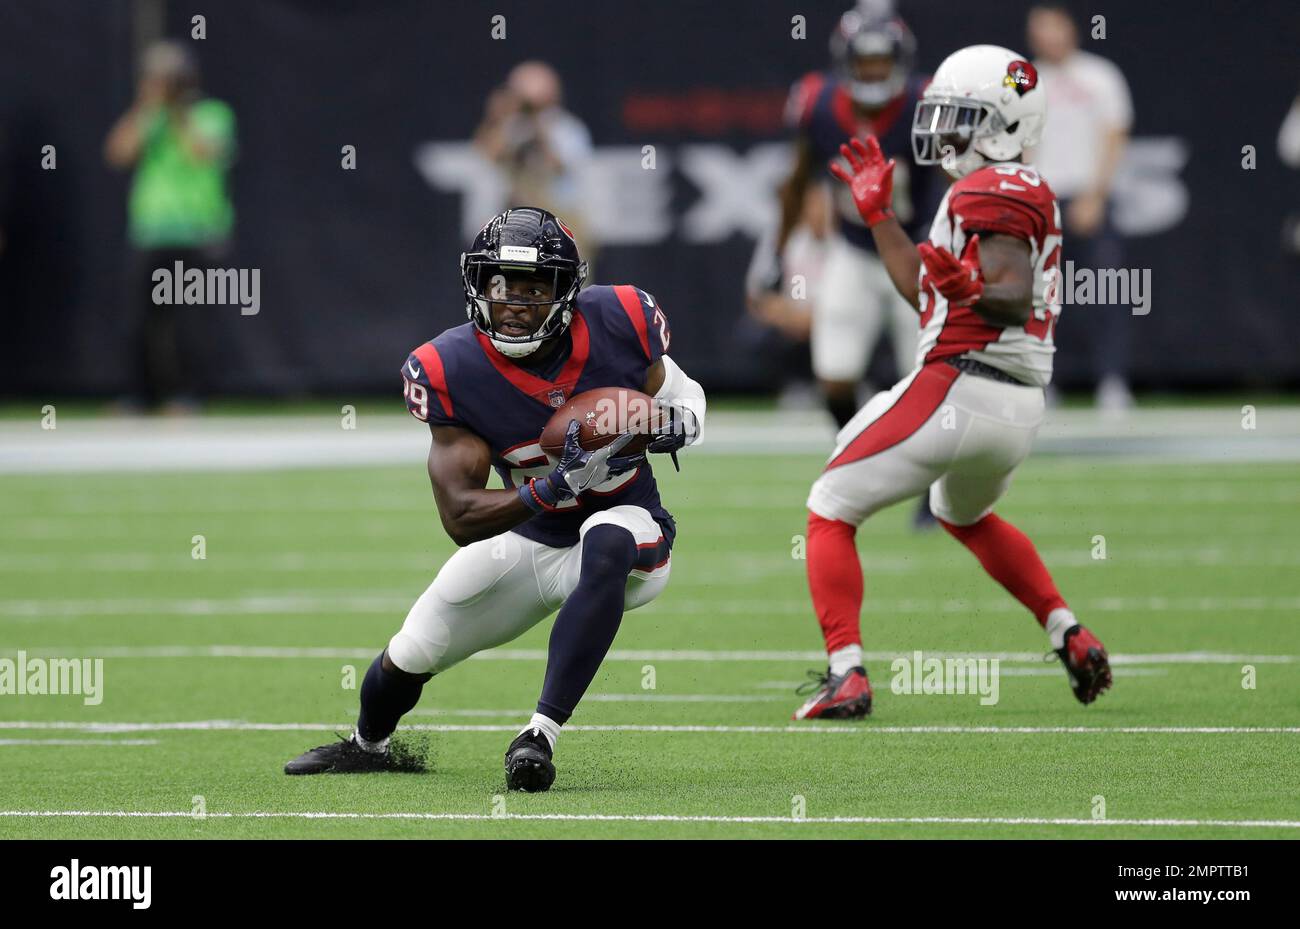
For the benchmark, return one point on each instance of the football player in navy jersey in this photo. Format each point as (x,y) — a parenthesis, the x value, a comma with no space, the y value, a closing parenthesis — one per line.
(586,534)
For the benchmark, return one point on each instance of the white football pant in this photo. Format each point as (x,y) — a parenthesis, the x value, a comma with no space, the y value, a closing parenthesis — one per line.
(855,300)
(959,434)
(494,590)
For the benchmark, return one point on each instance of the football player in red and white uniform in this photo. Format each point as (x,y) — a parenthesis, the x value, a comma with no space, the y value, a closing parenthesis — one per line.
(985,285)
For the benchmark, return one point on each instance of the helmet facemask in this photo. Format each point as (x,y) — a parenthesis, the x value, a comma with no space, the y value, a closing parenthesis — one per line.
(955,132)
(876,94)
(515,281)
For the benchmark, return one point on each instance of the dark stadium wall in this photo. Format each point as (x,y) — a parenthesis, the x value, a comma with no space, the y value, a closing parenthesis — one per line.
(359,266)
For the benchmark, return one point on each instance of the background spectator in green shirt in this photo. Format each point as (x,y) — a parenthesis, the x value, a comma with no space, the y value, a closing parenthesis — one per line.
(180,145)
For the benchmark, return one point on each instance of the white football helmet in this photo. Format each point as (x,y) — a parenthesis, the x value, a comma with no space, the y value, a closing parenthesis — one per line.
(984,105)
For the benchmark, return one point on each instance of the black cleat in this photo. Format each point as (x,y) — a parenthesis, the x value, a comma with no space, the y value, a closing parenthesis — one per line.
(1086,663)
(341,757)
(528,763)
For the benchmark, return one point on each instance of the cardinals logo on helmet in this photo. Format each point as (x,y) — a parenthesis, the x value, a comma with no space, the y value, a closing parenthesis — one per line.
(1021,76)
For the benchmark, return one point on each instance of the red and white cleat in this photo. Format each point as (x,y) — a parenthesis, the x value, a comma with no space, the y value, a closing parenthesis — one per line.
(837,696)
(1086,662)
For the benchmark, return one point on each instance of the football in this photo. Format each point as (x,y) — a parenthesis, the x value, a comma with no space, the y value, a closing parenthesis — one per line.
(603,414)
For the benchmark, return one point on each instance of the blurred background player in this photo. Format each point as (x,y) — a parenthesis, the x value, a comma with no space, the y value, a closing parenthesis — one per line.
(870,91)
(180,145)
(540,148)
(963,420)
(1288,151)
(1081,148)
(778,322)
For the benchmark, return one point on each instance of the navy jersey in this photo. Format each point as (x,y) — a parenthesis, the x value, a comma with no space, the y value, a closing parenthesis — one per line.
(459,379)
(821,110)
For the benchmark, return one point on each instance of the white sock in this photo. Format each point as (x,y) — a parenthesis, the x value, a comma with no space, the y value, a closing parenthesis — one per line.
(378,747)
(548,727)
(1059,622)
(842,659)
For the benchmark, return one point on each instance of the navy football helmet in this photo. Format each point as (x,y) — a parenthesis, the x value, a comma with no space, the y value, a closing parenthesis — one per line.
(872,29)
(522,241)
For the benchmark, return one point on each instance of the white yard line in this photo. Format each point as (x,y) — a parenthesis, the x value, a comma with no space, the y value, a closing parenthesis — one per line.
(741,568)
(367,602)
(524,654)
(183,500)
(661,818)
(78,741)
(1054,672)
(471,713)
(608,698)
(862,729)
(344,602)
(368,652)
(677,698)
(281,562)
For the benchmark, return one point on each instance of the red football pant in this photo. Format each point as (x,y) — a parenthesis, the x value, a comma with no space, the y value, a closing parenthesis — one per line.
(1010,559)
(835,580)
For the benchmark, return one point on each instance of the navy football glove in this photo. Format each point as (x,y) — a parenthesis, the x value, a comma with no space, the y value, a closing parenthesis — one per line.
(577,471)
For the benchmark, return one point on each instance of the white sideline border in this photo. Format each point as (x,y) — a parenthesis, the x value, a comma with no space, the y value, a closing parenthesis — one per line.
(236,725)
(661,818)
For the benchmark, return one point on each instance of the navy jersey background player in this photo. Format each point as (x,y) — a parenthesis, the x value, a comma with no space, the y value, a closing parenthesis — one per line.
(586,535)
(870,91)
(823,112)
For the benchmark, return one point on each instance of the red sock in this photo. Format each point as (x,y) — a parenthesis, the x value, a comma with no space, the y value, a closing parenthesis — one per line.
(1011,559)
(835,579)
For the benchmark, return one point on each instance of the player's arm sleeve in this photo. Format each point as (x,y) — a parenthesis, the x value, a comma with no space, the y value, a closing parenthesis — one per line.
(680,390)
(424,386)
(801,100)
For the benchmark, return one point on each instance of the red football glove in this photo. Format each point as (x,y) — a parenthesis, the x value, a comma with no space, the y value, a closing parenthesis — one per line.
(872,181)
(958,279)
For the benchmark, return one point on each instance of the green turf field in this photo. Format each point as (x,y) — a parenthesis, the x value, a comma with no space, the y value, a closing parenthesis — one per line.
(219,670)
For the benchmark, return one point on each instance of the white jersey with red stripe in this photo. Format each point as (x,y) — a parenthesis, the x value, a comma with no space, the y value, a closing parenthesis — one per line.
(1008,199)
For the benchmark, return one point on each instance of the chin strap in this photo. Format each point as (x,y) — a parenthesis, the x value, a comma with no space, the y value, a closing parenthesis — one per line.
(532,343)
(511,349)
